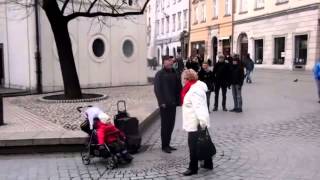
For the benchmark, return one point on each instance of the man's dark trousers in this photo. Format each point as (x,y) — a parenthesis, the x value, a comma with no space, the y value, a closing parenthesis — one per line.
(192,143)
(168,116)
(224,95)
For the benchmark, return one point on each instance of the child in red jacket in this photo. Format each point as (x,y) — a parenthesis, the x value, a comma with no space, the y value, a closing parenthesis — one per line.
(108,134)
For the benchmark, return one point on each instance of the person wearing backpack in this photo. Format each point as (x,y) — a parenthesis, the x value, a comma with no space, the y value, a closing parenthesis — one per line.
(316,72)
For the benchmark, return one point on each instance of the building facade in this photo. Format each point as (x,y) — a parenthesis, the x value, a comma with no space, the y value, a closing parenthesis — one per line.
(111,55)
(279,34)
(211,28)
(168,28)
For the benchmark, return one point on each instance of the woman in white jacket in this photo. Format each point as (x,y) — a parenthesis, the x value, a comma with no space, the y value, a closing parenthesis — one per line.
(194,113)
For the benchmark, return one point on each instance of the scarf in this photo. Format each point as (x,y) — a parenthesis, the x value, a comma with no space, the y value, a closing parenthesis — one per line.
(186,88)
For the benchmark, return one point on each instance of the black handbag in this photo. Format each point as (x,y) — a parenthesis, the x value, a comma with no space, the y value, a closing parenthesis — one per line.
(205,146)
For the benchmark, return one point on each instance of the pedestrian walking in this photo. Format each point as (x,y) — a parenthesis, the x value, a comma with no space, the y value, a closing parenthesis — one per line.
(194,113)
(221,75)
(237,77)
(167,87)
(179,65)
(249,65)
(206,76)
(316,72)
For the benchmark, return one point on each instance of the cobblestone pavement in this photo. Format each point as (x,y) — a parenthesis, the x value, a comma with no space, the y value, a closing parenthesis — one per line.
(139,99)
(277,137)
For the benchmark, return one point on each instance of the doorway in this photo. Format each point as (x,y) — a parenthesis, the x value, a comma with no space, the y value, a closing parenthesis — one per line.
(214,49)
(1,65)
(243,46)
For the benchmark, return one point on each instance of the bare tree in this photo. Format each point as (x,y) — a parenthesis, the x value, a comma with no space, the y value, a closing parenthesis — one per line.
(61,12)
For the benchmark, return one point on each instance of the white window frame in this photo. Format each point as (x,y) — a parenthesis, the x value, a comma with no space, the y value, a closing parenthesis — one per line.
(259,4)
(227,7)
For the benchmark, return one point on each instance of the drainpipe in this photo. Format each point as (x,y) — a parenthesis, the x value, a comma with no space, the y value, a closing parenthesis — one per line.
(38,53)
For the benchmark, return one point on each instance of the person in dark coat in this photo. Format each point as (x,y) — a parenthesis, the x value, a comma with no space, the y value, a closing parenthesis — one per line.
(206,76)
(221,74)
(249,65)
(237,77)
(179,65)
(167,87)
(193,63)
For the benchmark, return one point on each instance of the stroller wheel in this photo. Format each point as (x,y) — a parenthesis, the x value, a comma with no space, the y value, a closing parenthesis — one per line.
(112,162)
(85,159)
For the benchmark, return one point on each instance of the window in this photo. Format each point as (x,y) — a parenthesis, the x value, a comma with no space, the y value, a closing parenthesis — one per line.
(174,1)
(128,48)
(259,4)
(258,51)
(243,6)
(98,47)
(157,5)
(162,25)
(173,22)
(227,7)
(168,3)
(185,19)
(279,50)
(157,27)
(215,8)
(202,14)
(179,20)
(168,22)
(196,12)
(301,46)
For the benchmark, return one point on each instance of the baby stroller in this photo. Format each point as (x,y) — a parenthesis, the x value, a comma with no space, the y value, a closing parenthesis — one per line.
(93,149)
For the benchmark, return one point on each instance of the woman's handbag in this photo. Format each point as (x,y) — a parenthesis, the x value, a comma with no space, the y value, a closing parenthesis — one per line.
(205,146)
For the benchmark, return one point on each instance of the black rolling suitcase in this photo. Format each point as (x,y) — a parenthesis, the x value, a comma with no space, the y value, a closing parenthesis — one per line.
(129,126)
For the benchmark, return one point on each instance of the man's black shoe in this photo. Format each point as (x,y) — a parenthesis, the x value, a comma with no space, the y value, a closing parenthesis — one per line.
(238,110)
(215,109)
(208,167)
(189,172)
(166,150)
(172,148)
(233,110)
(225,109)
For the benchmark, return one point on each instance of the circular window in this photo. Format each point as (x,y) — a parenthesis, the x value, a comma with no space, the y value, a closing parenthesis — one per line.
(128,48)
(98,47)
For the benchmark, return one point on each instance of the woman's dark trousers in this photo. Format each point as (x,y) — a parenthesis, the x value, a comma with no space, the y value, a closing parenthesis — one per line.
(192,142)
(168,116)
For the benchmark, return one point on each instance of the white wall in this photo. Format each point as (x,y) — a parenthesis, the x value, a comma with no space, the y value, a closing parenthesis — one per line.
(112,69)
(20,46)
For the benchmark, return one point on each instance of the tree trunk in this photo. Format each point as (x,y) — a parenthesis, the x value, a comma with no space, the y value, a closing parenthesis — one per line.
(59,26)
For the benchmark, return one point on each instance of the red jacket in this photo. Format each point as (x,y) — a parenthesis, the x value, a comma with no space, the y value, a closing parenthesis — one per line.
(108,133)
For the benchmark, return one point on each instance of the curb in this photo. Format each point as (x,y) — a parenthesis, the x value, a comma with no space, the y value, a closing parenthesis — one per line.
(51,145)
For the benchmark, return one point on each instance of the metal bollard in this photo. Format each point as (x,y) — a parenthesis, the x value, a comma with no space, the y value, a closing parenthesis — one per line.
(1,110)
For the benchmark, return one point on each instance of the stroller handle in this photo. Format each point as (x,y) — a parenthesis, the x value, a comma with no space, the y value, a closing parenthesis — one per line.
(79,108)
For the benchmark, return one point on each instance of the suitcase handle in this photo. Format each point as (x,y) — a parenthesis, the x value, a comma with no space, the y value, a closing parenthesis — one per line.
(124,105)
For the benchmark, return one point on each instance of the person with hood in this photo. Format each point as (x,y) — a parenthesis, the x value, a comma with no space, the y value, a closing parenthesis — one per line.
(167,87)
(316,72)
(221,73)
(237,77)
(194,113)
(108,134)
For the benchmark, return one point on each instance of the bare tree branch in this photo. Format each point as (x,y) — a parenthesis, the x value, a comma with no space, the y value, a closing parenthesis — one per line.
(64,6)
(114,13)
(91,6)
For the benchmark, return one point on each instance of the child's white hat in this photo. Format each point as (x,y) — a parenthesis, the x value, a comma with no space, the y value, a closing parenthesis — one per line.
(104,118)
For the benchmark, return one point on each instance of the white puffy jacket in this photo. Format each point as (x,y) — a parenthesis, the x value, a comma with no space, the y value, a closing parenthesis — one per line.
(194,108)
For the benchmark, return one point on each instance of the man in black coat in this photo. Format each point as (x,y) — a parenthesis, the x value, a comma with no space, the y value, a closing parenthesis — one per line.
(206,76)
(237,77)
(221,74)
(167,87)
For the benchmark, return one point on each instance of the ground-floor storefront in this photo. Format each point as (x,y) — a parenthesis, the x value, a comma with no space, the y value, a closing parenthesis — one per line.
(282,41)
